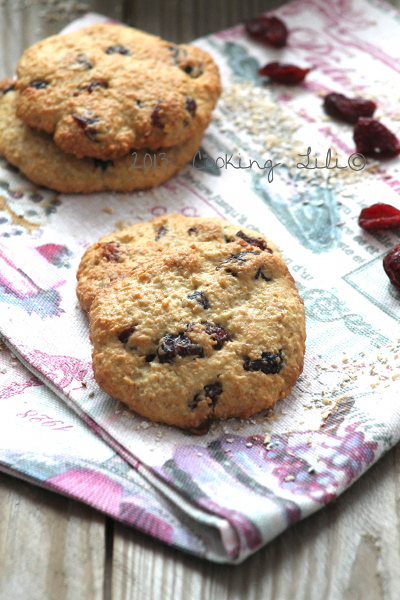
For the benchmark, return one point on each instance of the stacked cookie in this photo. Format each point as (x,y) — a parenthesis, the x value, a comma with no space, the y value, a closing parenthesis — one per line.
(192,319)
(106,108)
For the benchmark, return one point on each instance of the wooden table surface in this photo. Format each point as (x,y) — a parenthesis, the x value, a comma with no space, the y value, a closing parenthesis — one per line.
(53,548)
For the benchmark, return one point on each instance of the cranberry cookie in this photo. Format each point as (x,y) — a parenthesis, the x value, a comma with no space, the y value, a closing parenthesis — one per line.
(44,163)
(107,89)
(116,254)
(208,331)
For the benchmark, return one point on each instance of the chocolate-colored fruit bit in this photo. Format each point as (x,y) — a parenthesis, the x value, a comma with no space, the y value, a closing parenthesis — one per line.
(39,84)
(172,345)
(117,49)
(259,242)
(269,363)
(199,297)
(125,334)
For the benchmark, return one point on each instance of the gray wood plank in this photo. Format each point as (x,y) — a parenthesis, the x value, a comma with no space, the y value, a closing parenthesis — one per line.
(51,548)
(350,550)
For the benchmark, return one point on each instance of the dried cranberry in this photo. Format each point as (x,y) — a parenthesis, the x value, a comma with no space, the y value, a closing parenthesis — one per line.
(96,83)
(117,49)
(85,124)
(270,30)
(240,258)
(83,60)
(177,53)
(375,140)
(191,106)
(391,264)
(259,242)
(379,216)
(200,298)
(192,231)
(160,233)
(111,251)
(193,70)
(268,363)
(282,73)
(348,109)
(39,84)
(212,391)
(260,275)
(217,333)
(155,117)
(172,345)
(125,334)
(102,164)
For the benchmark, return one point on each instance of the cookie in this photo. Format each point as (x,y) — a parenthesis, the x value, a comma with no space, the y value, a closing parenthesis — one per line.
(44,163)
(114,255)
(107,89)
(208,331)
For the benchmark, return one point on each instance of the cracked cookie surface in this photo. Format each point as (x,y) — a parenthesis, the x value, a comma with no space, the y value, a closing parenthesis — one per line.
(116,254)
(107,89)
(198,335)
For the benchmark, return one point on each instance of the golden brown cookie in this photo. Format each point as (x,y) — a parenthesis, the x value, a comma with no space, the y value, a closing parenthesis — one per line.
(208,331)
(114,255)
(107,89)
(44,163)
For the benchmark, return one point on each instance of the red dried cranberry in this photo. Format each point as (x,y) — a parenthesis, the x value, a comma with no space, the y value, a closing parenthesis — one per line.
(191,106)
(155,117)
(379,216)
(268,363)
(85,124)
(217,333)
(375,140)
(172,345)
(391,264)
(117,49)
(348,109)
(269,30)
(39,84)
(200,298)
(124,335)
(286,74)
(111,251)
(259,242)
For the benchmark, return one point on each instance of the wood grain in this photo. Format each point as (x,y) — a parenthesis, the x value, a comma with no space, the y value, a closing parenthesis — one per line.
(350,550)
(51,548)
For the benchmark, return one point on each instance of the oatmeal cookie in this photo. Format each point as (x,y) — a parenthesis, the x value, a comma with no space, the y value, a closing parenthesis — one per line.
(114,255)
(107,89)
(208,331)
(44,163)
